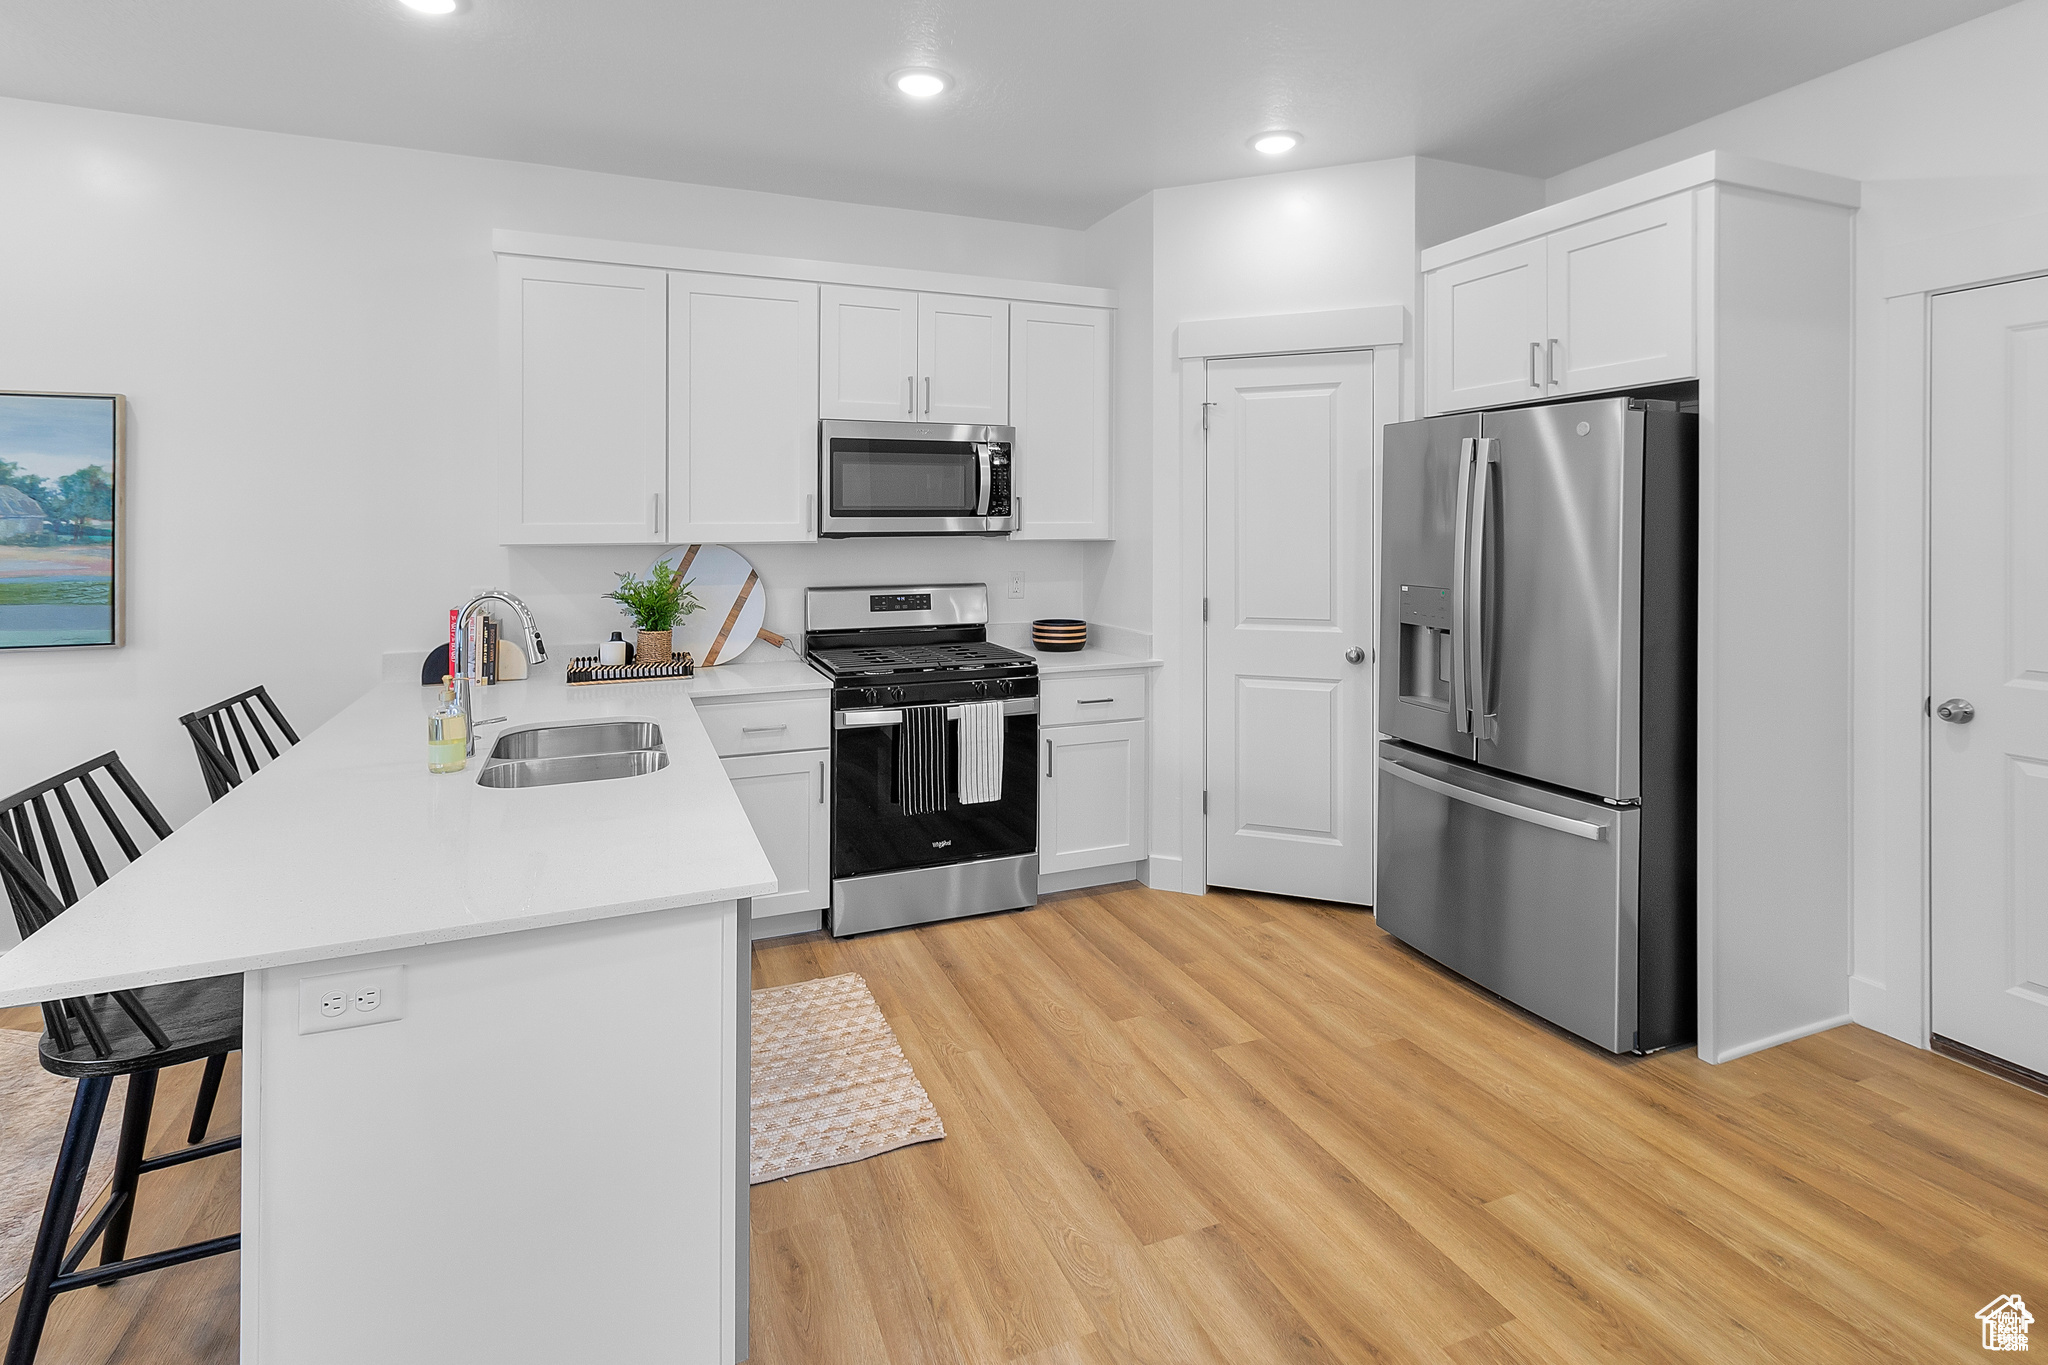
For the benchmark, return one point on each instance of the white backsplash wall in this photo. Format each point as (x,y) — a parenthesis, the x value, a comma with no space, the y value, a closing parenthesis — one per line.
(307,333)
(564,585)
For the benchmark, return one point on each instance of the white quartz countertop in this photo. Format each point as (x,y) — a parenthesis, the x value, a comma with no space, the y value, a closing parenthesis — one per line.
(347,844)
(1089,660)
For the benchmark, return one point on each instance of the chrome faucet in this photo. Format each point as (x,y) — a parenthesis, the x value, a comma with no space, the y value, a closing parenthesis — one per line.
(459,651)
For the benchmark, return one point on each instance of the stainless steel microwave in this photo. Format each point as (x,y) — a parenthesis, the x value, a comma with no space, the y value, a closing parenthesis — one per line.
(914,479)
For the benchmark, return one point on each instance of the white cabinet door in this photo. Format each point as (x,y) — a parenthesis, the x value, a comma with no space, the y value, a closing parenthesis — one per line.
(1091,796)
(582,350)
(867,354)
(1621,299)
(784,796)
(743,408)
(963,360)
(1060,404)
(1486,321)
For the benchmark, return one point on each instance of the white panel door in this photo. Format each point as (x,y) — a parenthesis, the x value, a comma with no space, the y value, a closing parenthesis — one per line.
(1621,299)
(867,354)
(1989,638)
(963,359)
(743,408)
(1060,404)
(582,350)
(784,796)
(1486,321)
(1091,796)
(1290,634)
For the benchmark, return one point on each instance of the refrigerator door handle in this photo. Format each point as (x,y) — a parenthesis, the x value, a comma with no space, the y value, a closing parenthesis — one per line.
(1584,829)
(1461,702)
(1485,455)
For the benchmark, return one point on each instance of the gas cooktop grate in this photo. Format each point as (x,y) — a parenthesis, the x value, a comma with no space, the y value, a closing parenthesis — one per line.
(919,658)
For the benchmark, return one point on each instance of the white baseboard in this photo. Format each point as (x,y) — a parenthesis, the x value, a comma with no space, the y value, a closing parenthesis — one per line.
(1789,1035)
(1083,877)
(787,923)
(1163,872)
(1873,1005)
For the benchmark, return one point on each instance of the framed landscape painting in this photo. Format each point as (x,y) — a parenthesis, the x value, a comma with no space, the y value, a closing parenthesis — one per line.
(61,458)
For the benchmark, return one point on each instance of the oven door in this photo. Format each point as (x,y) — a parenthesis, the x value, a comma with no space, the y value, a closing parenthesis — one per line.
(870,831)
(908,478)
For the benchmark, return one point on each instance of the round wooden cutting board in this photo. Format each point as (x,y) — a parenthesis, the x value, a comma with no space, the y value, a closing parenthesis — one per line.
(734,599)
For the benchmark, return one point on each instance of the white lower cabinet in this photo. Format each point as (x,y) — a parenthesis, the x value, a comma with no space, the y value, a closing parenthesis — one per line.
(1091,795)
(785,796)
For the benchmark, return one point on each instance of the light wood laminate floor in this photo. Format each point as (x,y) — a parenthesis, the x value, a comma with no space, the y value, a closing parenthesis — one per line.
(1236,1129)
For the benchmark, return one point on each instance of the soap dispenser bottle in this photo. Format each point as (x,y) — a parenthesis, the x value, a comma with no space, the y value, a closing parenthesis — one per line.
(612,652)
(447,733)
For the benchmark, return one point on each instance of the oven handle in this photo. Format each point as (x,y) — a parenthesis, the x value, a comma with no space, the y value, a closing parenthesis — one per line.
(985,456)
(862,720)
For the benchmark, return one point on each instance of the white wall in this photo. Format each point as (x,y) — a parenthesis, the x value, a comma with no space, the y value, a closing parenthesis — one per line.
(306,332)
(1118,573)
(1946,134)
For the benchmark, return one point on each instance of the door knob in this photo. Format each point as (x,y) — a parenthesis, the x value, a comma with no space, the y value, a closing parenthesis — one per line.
(1956,711)
(1354,655)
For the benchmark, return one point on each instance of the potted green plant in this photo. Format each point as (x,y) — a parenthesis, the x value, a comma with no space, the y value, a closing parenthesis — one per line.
(655,603)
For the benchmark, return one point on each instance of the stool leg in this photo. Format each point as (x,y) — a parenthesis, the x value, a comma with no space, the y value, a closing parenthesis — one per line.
(127,1163)
(209,1091)
(67,1183)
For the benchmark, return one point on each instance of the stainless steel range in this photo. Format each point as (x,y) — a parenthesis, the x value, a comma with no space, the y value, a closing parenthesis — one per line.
(934,748)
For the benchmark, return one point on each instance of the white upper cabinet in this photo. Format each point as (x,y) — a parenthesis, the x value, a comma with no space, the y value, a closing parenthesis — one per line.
(581,355)
(1599,305)
(963,360)
(895,355)
(1060,403)
(1486,321)
(1621,299)
(868,354)
(743,408)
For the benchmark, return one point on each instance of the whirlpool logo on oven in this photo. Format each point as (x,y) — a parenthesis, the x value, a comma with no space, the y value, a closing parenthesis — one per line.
(942,843)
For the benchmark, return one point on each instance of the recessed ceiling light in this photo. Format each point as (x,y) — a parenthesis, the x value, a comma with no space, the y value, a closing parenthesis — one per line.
(1275,142)
(433,6)
(918,82)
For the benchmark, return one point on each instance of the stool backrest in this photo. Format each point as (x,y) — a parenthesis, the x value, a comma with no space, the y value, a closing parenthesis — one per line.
(51,831)
(221,731)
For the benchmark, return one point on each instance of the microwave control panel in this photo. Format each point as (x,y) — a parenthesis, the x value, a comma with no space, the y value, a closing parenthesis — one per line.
(999,481)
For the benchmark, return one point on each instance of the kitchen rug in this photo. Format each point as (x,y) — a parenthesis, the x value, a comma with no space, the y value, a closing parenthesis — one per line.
(831,1083)
(34,1107)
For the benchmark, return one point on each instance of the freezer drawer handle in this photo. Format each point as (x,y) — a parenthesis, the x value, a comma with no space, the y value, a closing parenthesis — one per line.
(1584,829)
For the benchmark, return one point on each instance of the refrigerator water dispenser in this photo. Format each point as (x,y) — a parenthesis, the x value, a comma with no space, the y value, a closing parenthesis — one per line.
(1426,645)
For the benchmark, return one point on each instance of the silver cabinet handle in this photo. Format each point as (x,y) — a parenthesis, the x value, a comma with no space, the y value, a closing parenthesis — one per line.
(654,514)
(1564,824)
(821,781)
(1095,701)
(910,382)
(1048,758)
(762,729)
(1550,364)
(1354,655)
(927,395)
(1956,711)
(810,514)
(1535,350)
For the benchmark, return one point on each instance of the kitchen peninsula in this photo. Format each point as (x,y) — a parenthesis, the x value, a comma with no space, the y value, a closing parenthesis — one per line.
(532,1146)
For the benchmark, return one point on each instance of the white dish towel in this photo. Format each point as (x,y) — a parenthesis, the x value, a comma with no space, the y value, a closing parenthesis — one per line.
(981,752)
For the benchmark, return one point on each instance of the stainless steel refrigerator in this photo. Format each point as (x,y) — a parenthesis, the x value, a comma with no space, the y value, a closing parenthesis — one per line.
(1537,660)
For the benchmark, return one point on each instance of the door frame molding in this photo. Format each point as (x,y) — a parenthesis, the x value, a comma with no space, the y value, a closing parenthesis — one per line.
(1382,332)
(1891,973)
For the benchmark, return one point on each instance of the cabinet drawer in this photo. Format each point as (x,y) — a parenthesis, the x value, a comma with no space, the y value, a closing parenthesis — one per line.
(767,727)
(1094,696)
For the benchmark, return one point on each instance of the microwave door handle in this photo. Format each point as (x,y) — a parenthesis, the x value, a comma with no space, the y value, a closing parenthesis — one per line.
(1486,454)
(983,455)
(1461,714)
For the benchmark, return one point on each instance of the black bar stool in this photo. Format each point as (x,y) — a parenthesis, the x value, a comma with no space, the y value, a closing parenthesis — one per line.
(210,728)
(94,1039)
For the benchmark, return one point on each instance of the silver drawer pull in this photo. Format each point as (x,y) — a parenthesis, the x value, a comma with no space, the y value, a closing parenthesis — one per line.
(762,729)
(1095,701)
(1564,824)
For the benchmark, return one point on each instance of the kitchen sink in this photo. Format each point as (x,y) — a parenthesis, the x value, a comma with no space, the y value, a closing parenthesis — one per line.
(594,751)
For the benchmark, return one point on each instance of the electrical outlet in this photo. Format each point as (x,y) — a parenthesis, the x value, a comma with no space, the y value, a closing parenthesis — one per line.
(1016,583)
(372,995)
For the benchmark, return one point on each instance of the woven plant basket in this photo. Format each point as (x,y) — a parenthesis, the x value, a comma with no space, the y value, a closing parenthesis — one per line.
(653,647)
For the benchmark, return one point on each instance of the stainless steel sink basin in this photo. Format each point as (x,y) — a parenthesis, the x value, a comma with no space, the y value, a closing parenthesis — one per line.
(595,751)
(564,741)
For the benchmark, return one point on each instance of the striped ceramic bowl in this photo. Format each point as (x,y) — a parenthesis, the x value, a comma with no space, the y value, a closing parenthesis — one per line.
(1058,633)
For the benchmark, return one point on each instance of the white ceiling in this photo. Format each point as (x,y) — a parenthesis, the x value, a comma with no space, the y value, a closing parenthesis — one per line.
(1064,109)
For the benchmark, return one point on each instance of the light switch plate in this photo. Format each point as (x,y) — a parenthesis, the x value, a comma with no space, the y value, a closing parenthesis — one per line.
(374,995)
